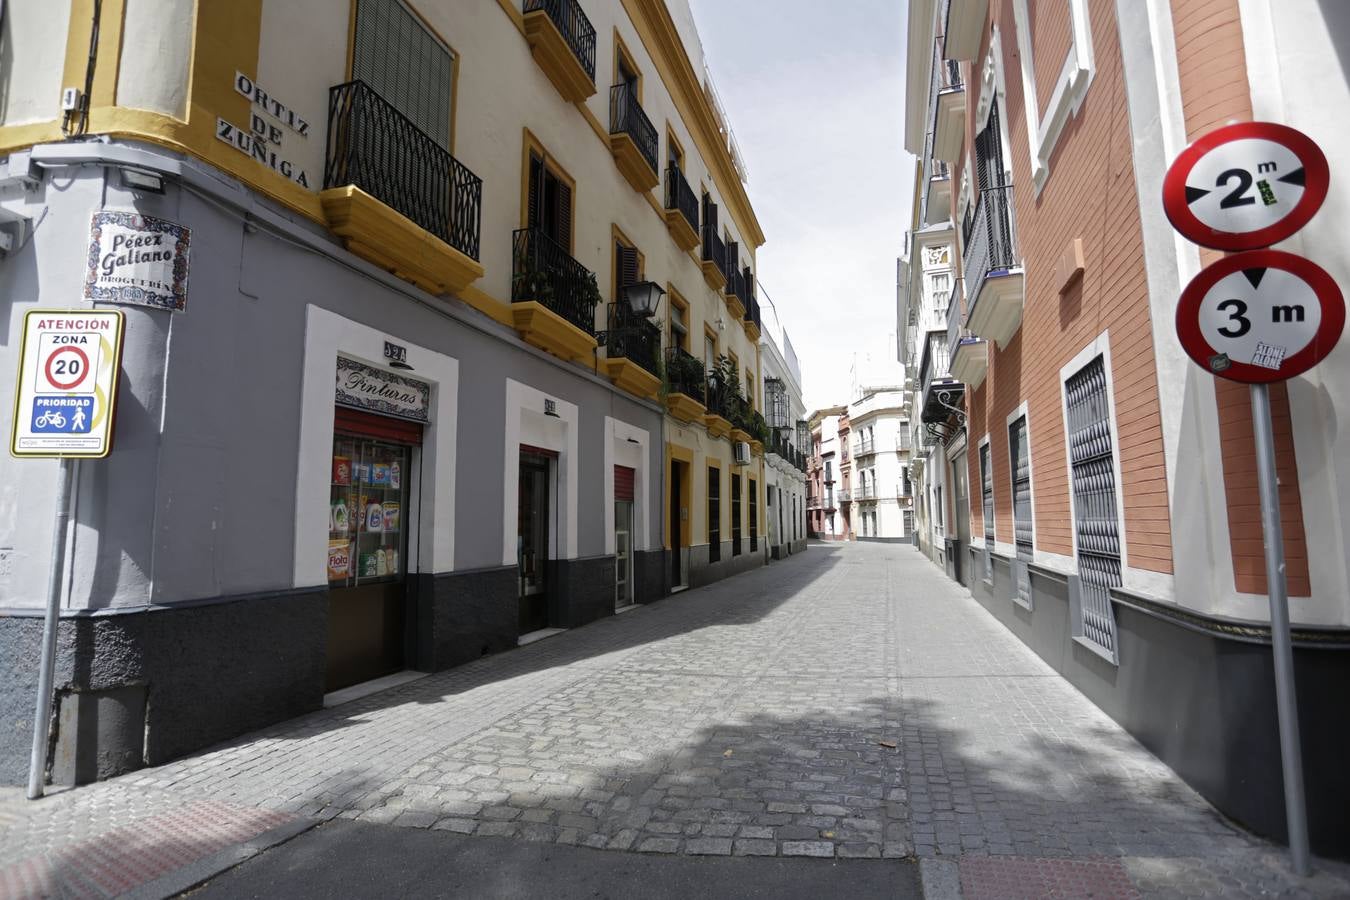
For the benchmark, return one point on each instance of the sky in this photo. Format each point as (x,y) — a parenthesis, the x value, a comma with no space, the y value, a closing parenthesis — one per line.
(815,95)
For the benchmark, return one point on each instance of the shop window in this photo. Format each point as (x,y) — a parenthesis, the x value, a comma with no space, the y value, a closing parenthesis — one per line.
(367,512)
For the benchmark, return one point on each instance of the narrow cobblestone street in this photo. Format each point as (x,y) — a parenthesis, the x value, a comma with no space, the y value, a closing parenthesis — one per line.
(848,702)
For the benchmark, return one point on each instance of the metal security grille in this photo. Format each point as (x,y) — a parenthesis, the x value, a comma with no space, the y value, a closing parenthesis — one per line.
(405,64)
(1094,501)
(987,497)
(714,514)
(1020,458)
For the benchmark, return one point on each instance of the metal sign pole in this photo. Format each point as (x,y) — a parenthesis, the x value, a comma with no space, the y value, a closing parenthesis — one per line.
(1286,701)
(42,716)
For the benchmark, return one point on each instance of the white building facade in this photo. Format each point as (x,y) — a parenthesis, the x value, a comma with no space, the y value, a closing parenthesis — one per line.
(784,456)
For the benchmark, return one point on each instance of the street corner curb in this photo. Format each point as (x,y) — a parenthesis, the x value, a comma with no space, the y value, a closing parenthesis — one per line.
(940,879)
(208,867)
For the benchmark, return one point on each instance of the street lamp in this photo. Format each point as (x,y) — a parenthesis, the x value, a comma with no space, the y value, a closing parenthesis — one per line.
(643,298)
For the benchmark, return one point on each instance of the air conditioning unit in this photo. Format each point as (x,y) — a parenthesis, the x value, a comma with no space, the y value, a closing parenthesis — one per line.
(742,453)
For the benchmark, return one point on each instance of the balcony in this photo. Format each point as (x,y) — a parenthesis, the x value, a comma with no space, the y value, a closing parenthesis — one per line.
(904,443)
(938,188)
(396,197)
(714,259)
(632,138)
(562,42)
(735,287)
(720,399)
(865,492)
(969,354)
(866,447)
(687,384)
(681,210)
(553,297)
(845,496)
(964,28)
(941,395)
(949,107)
(753,317)
(993,273)
(632,352)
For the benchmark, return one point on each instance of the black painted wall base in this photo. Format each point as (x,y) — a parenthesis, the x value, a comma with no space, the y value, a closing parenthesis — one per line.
(194,674)
(580,591)
(1198,692)
(702,571)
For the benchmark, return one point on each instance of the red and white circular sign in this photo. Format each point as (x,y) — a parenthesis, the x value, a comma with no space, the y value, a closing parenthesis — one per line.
(1245,186)
(1260,316)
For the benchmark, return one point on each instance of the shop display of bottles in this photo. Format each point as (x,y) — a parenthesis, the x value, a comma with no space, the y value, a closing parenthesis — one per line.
(365,515)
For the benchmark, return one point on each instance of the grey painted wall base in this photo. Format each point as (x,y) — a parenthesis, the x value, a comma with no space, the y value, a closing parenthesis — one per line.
(883,540)
(1199,694)
(702,572)
(193,675)
(462,616)
(787,548)
(652,574)
(580,591)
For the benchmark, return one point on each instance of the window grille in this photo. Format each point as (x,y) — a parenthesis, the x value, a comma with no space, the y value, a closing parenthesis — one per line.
(714,514)
(754,516)
(1094,502)
(735,515)
(987,498)
(1020,457)
(405,64)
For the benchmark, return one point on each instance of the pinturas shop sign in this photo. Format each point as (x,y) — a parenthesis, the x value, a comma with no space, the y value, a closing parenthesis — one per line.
(263,139)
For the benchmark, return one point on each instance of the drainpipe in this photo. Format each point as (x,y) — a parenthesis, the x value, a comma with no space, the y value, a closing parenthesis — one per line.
(42,716)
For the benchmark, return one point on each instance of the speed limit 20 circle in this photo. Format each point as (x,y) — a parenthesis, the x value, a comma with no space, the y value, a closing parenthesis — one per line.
(66,368)
(1245,186)
(1260,316)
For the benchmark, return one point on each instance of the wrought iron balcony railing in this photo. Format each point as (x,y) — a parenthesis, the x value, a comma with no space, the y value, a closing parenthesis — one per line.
(573,25)
(989,241)
(731,266)
(626,117)
(714,250)
(375,147)
(684,374)
(543,270)
(679,195)
(720,398)
(632,338)
(866,446)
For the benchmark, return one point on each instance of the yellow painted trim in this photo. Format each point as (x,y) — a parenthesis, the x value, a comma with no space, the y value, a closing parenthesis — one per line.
(515,15)
(392,241)
(531,142)
(673,142)
(634,166)
(677,299)
(621,52)
(658,33)
(555,57)
(17,137)
(684,408)
(676,453)
(632,378)
(487,304)
(543,328)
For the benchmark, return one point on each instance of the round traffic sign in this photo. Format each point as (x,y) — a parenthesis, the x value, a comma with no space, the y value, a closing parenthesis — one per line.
(1260,316)
(1245,186)
(67,367)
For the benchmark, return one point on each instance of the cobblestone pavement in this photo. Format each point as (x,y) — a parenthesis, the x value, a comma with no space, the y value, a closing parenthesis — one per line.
(847,702)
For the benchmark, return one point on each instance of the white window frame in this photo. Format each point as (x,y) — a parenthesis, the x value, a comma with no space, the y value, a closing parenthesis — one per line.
(1075,76)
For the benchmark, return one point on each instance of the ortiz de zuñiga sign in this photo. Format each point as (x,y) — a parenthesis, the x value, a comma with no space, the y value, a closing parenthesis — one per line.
(66,393)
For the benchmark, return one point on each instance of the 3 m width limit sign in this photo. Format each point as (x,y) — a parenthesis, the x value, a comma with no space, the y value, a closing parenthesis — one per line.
(67,384)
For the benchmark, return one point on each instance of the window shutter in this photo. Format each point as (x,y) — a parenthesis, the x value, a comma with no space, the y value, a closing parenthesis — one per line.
(623,483)
(627,267)
(563,225)
(536,177)
(405,64)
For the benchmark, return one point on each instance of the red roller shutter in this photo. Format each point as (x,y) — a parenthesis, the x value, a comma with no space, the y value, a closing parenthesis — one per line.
(381,428)
(623,483)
